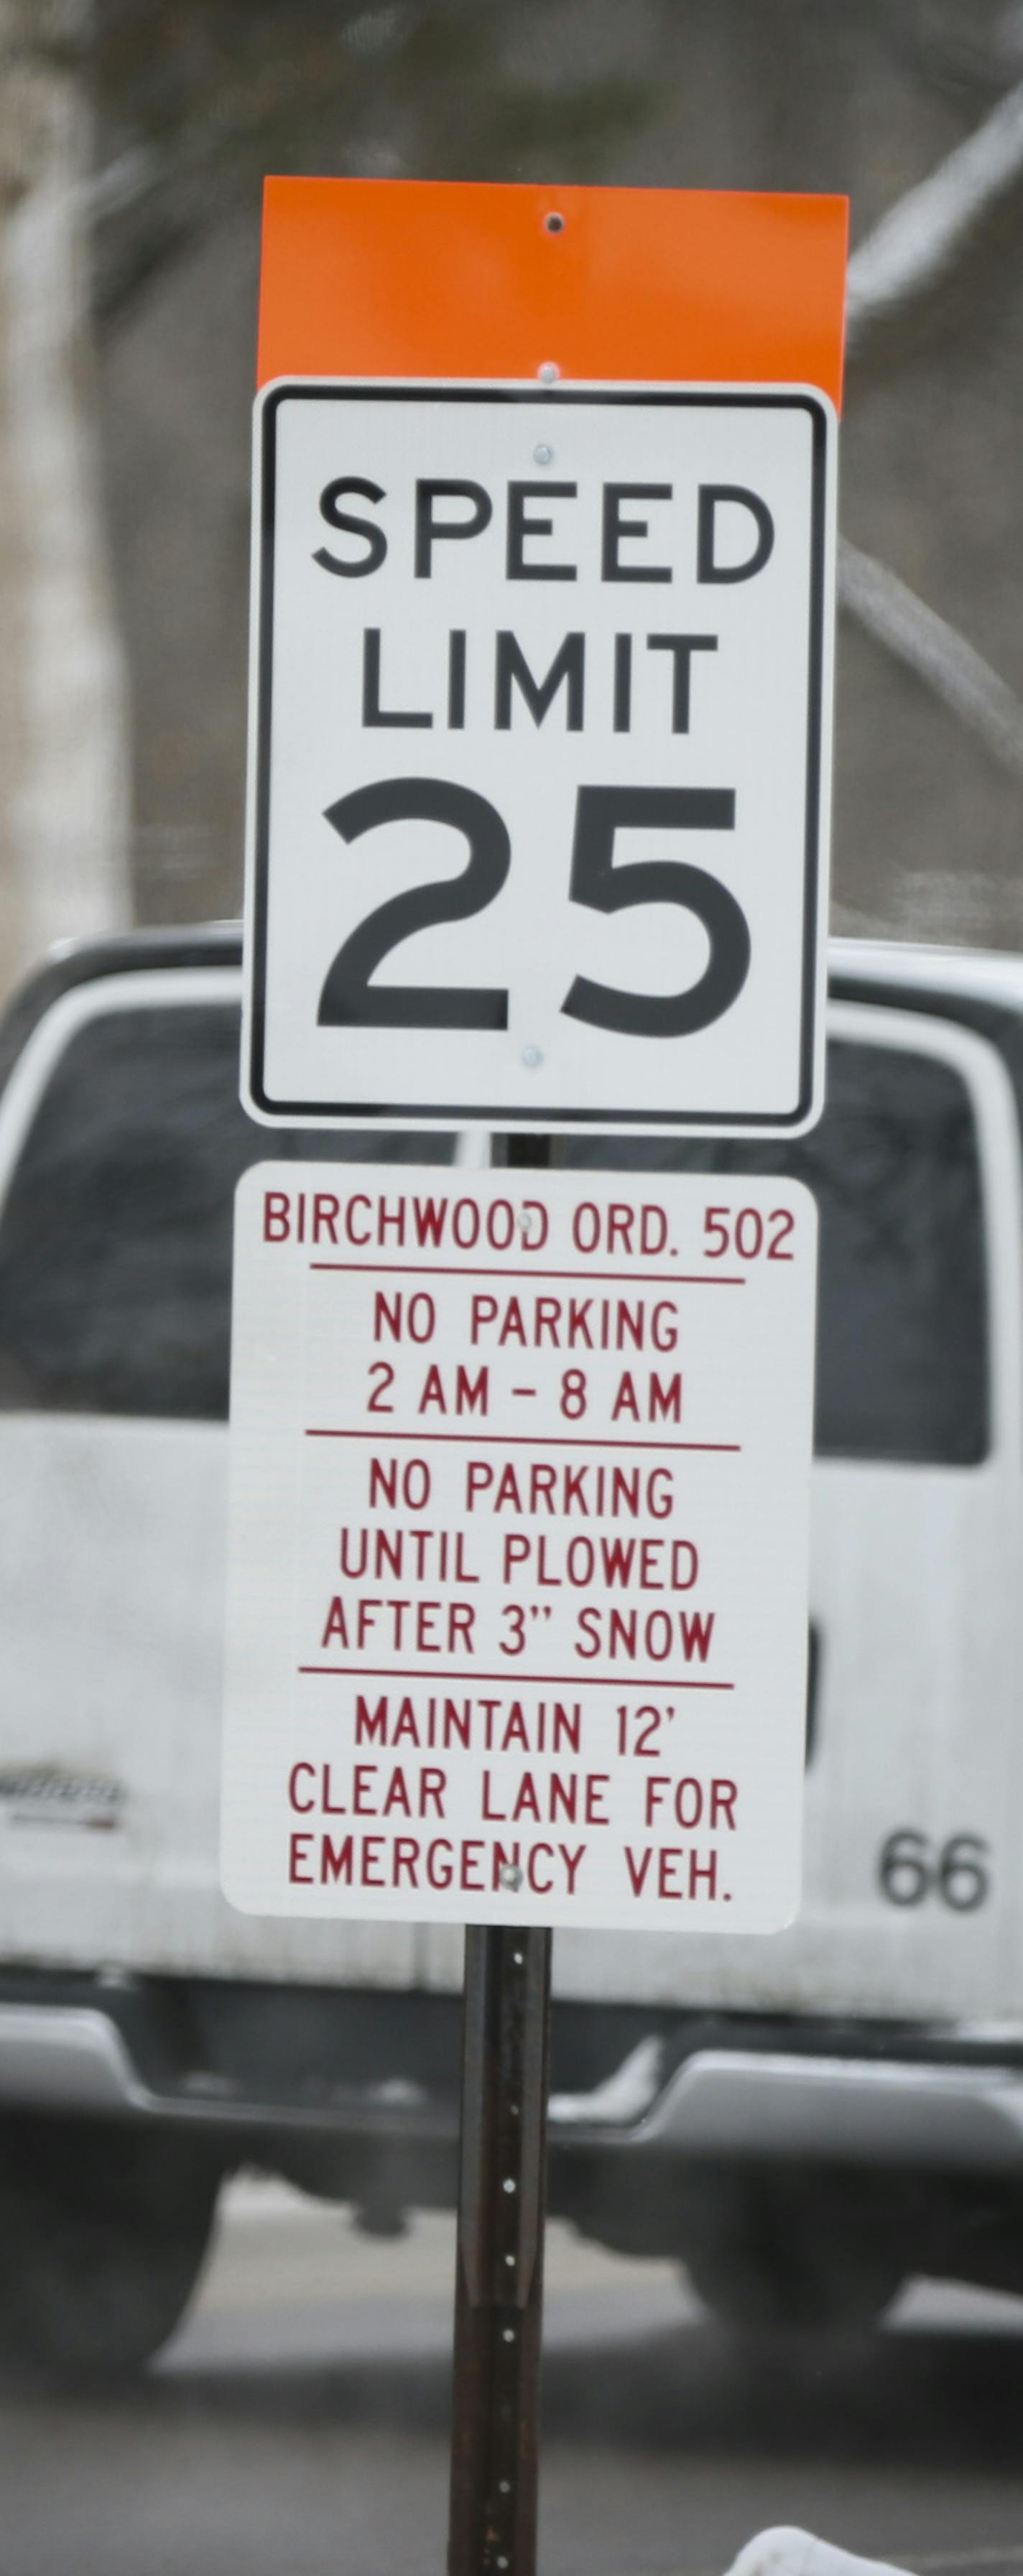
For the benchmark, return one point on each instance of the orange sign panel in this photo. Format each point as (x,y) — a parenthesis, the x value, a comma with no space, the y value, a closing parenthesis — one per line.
(385,277)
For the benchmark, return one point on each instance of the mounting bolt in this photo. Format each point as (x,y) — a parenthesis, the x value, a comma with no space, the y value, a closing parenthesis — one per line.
(509,2183)
(549,372)
(510,1876)
(532,1056)
(543,455)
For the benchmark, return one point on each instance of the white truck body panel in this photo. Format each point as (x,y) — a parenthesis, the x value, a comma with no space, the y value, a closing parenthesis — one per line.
(111,1607)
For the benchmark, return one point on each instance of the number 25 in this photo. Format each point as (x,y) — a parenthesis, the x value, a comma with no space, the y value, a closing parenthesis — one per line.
(349,1000)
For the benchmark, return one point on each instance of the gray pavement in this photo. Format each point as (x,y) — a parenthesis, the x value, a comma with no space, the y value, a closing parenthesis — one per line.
(298,2425)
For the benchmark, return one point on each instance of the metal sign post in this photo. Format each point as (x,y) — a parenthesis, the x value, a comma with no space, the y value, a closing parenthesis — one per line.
(495,2421)
(502,2196)
(543,585)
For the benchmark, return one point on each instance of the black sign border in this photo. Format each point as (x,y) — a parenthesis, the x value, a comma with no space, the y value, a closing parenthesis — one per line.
(310,1113)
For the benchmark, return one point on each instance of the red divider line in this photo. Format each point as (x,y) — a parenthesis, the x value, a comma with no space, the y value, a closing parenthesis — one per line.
(527,1440)
(568,1681)
(460,1270)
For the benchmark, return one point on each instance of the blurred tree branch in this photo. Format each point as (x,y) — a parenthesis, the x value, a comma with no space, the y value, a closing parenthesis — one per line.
(934,651)
(932,227)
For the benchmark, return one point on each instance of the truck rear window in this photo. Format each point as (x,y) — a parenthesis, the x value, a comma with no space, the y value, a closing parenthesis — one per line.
(902,1366)
(115,1244)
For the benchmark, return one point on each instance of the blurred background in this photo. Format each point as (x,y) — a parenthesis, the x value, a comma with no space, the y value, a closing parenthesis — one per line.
(300,2420)
(134,135)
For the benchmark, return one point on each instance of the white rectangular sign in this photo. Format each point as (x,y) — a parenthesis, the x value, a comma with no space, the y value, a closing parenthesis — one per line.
(540,751)
(518,1562)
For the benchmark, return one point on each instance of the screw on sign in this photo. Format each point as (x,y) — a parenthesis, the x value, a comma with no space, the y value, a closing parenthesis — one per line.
(537,839)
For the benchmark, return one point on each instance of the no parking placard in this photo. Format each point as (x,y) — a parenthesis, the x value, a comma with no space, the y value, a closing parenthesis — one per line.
(541,689)
(517,1623)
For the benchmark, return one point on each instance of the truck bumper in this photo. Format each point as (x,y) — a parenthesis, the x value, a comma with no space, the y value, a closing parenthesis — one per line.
(739,2104)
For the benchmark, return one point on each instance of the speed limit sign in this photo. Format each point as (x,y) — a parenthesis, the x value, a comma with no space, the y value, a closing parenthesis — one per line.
(540,751)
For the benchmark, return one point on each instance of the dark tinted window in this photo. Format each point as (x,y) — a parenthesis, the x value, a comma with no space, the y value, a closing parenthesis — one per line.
(902,1341)
(115,1245)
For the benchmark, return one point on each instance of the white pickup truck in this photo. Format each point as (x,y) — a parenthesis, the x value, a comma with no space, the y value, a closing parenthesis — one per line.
(802,2120)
